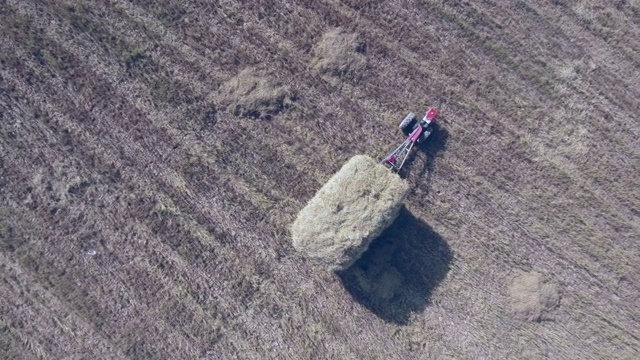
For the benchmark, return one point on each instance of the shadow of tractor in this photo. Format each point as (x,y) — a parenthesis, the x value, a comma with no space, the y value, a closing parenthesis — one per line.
(400,270)
(435,144)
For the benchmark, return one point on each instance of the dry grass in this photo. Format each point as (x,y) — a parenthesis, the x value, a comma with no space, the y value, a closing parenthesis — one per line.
(339,53)
(533,296)
(256,94)
(141,218)
(348,212)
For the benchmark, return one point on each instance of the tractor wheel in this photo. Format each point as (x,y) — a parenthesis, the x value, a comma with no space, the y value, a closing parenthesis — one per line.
(408,124)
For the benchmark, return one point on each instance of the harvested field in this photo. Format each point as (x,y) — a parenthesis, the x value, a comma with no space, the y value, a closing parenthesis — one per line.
(145,203)
(352,209)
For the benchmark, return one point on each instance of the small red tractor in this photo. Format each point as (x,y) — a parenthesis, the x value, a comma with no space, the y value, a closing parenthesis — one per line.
(416,132)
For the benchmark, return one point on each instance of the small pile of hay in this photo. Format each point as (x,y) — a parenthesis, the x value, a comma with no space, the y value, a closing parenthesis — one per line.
(338,54)
(532,296)
(348,212)
(256,94)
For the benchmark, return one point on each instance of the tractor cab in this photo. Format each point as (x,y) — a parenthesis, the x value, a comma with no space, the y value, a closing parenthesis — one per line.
(429,116)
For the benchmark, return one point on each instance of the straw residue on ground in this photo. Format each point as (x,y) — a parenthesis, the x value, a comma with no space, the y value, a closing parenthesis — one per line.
(348,212)
(339,53)
(533,296)
(256,93)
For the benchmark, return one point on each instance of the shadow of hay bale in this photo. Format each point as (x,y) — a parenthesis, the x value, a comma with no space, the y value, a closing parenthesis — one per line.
(399,271)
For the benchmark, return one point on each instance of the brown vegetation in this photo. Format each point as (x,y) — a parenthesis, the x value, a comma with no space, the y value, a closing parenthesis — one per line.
(140,218)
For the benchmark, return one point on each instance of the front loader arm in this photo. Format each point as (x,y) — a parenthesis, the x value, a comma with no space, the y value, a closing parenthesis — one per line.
(397,157)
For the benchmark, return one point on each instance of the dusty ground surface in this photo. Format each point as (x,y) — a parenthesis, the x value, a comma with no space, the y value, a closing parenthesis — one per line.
(140,218)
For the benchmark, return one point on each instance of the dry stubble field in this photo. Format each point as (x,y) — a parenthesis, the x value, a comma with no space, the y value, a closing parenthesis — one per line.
(154,153)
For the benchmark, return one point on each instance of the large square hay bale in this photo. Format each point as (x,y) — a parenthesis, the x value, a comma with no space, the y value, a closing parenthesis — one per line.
(348,212)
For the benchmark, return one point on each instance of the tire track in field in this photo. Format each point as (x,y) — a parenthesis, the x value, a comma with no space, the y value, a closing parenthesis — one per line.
(598,21)
(164,47)
(562,40)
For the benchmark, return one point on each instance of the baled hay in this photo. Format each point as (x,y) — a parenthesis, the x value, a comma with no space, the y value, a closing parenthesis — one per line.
(348,212)
(255,94)
(532,296)
(339,54)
